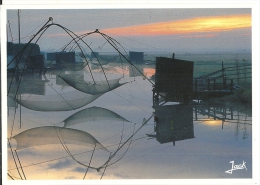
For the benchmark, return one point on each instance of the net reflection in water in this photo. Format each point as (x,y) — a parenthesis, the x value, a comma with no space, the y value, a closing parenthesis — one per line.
(92,114)
(55,135)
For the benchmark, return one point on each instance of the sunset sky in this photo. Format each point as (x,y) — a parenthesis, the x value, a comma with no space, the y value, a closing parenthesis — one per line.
(207,24)
(168,30)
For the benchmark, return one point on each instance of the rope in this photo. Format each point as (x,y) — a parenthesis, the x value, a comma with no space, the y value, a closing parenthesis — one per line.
(20,164)
(10,176)
(14,159)
(10,30)
(89,162)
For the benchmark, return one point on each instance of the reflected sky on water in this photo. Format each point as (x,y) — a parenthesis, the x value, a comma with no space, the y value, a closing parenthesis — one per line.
(171,141)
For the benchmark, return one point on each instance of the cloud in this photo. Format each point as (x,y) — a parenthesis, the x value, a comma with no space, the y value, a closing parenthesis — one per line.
(60,164)
(80,169)
(28,152)
(183,26)
(187,26)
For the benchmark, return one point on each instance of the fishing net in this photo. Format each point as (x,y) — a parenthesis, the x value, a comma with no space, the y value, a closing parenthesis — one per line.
(70,79)
(56,102)
(92,87)
(101,60)
(55,135)
(92,114)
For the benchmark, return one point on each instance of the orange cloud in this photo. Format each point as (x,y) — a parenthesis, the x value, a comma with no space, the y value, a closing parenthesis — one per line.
(186,26)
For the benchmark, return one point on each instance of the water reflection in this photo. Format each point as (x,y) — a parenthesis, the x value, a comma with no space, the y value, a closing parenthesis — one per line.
(34,85)
(116,120)
(94,88)
(140,70)
(175,122)
(92,114)
(54,135)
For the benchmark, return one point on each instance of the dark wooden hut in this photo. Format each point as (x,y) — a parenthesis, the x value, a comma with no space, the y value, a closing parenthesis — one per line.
(173,78)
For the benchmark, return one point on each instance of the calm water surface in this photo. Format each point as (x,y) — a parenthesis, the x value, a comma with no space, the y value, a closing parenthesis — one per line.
(172,141)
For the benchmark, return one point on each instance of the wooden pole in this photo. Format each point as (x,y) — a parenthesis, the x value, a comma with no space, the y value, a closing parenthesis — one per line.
(19,36)
(231,85)
(196,83)
(196,113)
(214,111)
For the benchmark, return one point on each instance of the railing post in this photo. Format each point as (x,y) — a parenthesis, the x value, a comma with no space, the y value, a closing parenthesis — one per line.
(196,83)
(231,85)
(208,111)
(196,113)
(214,112)
(208,83)
(225,82)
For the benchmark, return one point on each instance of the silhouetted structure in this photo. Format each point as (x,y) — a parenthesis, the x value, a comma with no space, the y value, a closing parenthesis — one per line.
(174,82)
(19,53)
(174,78)
(173,123)
(136,57)
(35,62)
(65,57)
(50,56)
(134,71)
(23,50)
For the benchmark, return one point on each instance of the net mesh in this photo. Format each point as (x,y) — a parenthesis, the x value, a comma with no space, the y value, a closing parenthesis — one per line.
(55,135)
(56,102)
(92,114)
(92,87)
